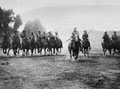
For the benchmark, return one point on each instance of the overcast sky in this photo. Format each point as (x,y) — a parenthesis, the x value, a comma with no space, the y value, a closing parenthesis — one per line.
(90,17)
(21,6)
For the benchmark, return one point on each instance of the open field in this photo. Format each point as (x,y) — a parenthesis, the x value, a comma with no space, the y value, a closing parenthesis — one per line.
(60,72)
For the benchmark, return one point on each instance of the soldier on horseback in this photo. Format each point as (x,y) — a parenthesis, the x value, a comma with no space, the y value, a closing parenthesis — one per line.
(57,35)
(105,37)
(32,36)
(16,37)
(5,35)
(39,35)
(114,37)
(24,36)
(6,42)
(75,45)
(85,38)
(75,32)
(50,35)
(44,36)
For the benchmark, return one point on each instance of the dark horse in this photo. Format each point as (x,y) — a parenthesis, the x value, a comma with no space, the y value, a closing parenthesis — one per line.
(74,47)
(45,44)
(32,45)
(85,47)
(51,45)
(6,45)
(26,46)
(115,47)
(58,45)
(39,44)
(107,45)
(16,45)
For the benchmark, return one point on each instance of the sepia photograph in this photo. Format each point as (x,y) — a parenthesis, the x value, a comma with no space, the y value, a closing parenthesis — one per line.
(59,44)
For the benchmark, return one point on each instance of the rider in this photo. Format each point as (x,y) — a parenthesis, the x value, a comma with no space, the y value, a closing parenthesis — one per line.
(44,35)
(56,35)
(16,37)
(5,36)
(24,36)
(85,37)
(75,32)
(32,36)
(106,37)
(114,37)
(39,34)
(50,35)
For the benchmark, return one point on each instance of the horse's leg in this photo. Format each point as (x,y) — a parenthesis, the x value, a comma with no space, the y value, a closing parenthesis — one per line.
(87,52)
(57,51)
(84,52)
(114,52)
(109,51)
(4,51)
(31,51)
(51,51)
(44,51)
(8,51)
(70,54)
(24,51)
(40,50)
(76,55)
(104,51)
(54,50)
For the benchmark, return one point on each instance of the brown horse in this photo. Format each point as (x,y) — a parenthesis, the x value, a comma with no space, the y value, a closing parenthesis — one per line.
(74,48)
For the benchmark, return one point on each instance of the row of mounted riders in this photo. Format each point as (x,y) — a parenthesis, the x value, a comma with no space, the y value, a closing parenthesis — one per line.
(49,44)
(111,44)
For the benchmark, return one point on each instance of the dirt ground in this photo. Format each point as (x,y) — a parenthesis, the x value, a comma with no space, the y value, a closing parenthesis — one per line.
(60,72)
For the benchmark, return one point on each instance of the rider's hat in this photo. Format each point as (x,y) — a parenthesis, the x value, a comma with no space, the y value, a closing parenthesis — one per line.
(56,32)
(114,31)
(75,28)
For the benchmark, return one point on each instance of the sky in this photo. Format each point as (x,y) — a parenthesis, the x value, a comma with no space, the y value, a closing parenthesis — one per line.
(21,6)
(91,17)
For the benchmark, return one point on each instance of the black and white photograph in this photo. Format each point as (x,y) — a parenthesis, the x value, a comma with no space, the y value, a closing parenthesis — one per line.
(59,44)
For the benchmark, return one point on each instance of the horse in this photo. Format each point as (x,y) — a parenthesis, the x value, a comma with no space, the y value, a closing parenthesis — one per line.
(45,44)
(116,47)
(74,47)
(32,45)
(85,47)
(26,46)
(16,45)
(107,45)
(58,45)
(6,45)
(39,44)
(51,45)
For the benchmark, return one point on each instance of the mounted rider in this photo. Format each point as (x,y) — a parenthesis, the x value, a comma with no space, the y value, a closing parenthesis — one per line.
(85,38)
(5,35)
(39,35)
(50,35)
(75,33)
(105,38)
(16,37)
(114,37)
(56,36)
(44,36)
(24,36)
(32,36)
